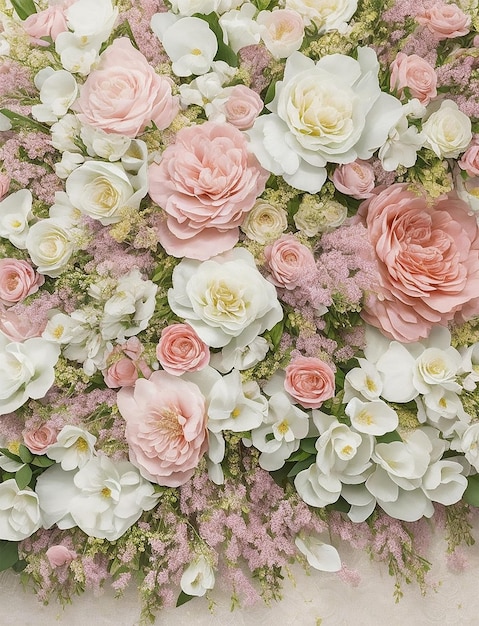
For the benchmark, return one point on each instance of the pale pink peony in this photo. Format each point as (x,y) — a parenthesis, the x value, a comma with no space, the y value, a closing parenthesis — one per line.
(60,555)
(4,185)
(181,350)
(446,21)
(47,23)
(310,381)
(242,106)
(18,280)
(18,328)
(428,261)
(355,179)
(121,373)
(38,440)
(206,182)
(470,160)
(288,260)
(416,74)
(165,427)
(124,94)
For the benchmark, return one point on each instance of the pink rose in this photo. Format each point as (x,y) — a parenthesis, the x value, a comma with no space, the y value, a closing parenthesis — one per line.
(470,160)
(124,94)
(181,350)
(288,260)
(121,373)
(165,427)
(310,381)
(206,182)
(428,261)
(18,280)
(18,328)
(4,185)
(416,74)
(282,31)
(446,21)
(242,106)
(355,179)
(48,23)
(38,440)
(60,555)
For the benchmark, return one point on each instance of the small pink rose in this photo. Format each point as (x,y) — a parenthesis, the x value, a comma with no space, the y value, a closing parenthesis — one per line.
(132,348)
(166,427)
(282,31)
(206,182)
(38,440)
(310,381)
(47,23)
(122,373)
(124,94)
(4,185)
(60,555)
(181,350)
(446,21)
(416,74)
(18,280)
(242,107)
(355,179)
(470,160)
(288,260)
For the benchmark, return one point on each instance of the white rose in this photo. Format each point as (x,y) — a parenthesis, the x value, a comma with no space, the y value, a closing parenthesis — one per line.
(330,111)
(198,577)
(15,212)
(448,131)
(282,31)
(58,91)
(19,512)
(326,14)
(104,145)
(26,371)
(224,297)
(50,245)
(264,222)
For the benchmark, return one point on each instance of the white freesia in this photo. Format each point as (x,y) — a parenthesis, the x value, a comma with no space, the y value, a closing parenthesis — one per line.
(317,489)
(447,131)
(239,27)
(77,54)
(50,244)
(58,91)
(104,498)
(26,371)
(19,512)
(373,418)
(468,443)
(198,577)
(441,408)
(326,14)
(15,214)
(107,146)
(437,367)
(444,482)
(65,133)
(69,162)
(364,380)
(224,298)
(188,41)
(401,146)
(319,555)
(73,448)
(92,18)
(332,111)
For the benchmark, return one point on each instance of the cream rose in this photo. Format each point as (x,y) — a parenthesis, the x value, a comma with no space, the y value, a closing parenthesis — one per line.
(448,131)
(326,14)
(50,245)
(265,222)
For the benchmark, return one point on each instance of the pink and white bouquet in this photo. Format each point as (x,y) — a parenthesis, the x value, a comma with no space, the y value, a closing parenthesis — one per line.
(239,288)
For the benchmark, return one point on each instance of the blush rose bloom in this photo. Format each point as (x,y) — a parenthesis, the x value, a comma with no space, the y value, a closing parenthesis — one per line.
(288,260)
(121,373)
(124,94)
(165,427)
(38,440)
(470,160)
(206,183)
(242,106)
(416,74)
(48,23)
(18,280)
(446,21)
(355,179)
(309,381)
(428,261)
(59,555)
(181,350)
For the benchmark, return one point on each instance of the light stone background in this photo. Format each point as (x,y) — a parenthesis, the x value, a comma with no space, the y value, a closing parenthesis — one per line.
(320,599)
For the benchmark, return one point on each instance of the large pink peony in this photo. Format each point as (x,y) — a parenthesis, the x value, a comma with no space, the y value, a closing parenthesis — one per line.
(428,261)
(206,182)
(124,94)
(165,427)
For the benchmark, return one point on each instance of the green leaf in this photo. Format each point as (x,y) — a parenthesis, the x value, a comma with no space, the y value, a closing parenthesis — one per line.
(21,121)
(6,452)
(24,453)
(340,505)
(300,466)
(183,598)
(389,437)
(309,445)
(471,495)
(270,92)
(276,333)
(42,461)
(24,8)
(225,53)
(8,554)
(23,476)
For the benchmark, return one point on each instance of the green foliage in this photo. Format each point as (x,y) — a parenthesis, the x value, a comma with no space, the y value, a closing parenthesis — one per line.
(8,554)
(21,121)
(471,495)
(183,598)
(225,53)
(24,8)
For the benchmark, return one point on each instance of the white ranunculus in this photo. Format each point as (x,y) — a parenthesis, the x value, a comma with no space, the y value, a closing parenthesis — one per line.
(198,577)
(73,448)
(19,512)
(50,244)
(240,28)
(107,146)
(188,41)
(104,498)
(437,367)
(373,418)
(15,213)
(325,14)
(469,445)
(102,190)
(26,371)
(332,111)
(58,91)
(320,555)
(447,131)
(224,298)
(265,222)
(317,489)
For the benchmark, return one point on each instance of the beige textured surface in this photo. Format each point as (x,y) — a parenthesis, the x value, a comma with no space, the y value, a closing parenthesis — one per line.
(319,596)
